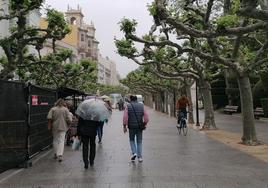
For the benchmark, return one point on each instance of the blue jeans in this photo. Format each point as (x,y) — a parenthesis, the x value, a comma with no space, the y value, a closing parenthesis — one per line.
(100,131)
(135,139)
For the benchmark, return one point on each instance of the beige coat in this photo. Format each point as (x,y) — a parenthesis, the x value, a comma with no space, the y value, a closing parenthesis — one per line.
(60,117)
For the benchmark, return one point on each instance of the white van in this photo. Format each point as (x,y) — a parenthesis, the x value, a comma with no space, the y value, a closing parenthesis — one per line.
(139,98)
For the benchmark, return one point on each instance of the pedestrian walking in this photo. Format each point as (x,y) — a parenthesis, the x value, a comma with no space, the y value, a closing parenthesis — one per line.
(100,131)
(58,120)
(86,132)
(70,132)
(100,127)
(120,104)
(91,114)
(134,116)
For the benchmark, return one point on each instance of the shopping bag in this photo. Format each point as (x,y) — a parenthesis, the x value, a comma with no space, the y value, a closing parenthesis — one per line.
(76,144)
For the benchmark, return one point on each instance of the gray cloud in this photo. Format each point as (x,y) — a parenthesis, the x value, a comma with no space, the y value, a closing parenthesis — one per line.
(105,14)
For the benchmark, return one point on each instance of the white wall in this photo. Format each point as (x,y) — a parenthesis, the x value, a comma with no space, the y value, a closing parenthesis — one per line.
(107,72)
(4,24)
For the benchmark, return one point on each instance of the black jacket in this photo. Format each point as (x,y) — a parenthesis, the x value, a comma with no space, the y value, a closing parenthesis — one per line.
(135,114)
(87,127)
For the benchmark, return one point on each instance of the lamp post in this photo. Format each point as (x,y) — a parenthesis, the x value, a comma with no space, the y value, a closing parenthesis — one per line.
(196,105)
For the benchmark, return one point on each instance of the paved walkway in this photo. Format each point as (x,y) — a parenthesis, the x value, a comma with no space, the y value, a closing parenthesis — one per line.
(233,123)
(170,161)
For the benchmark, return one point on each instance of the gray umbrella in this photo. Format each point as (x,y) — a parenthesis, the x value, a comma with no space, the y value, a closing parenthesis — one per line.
(93,109)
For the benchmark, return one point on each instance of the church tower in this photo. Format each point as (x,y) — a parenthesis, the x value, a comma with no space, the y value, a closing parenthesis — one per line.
(74,16)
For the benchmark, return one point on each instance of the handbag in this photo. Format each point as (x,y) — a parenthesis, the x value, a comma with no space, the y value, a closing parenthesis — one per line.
(76,144)
(142,125)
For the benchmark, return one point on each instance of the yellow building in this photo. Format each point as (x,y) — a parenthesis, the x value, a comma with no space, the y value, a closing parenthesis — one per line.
(47,49)
(81,37)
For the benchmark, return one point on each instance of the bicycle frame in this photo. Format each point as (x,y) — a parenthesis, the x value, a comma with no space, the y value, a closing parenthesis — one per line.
(182,122)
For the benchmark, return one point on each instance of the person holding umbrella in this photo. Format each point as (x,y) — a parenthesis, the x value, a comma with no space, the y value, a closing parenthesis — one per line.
(91,115)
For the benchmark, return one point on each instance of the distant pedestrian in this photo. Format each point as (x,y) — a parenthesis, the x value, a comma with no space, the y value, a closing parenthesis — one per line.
(134,114)
(58,120)
(100,127)
(72,125)
(120,104)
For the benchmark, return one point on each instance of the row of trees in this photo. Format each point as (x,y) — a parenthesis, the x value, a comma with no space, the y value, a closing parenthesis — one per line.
(51,70)
(199,40)
(145,80)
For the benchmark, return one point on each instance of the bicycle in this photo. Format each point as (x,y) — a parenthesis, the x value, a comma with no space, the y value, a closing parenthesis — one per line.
(183,123)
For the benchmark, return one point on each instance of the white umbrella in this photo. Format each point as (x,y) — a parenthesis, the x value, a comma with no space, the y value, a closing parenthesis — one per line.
(93,109)
(105,98)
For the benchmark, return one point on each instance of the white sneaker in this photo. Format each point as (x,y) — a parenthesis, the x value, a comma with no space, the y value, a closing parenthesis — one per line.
(133,157)
(140,159)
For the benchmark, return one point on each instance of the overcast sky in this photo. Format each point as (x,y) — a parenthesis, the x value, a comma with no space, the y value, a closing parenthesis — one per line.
(105,14)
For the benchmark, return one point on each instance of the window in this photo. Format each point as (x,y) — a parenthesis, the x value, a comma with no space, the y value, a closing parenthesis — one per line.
(73,21)
(82,37)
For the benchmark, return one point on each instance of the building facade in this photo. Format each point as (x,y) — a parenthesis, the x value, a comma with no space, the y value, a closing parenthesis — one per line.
(82,35)
(47,47)
(81,41)
(107,73)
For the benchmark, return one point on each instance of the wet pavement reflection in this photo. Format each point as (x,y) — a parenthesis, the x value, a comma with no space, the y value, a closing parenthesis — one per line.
(170,160)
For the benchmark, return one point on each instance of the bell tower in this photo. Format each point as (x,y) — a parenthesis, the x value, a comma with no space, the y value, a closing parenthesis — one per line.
(74,16)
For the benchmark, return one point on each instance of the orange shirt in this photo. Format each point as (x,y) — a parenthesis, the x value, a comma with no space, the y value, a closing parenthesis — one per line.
(182,103)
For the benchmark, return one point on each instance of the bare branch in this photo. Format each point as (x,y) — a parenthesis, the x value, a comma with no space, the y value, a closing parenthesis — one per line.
(256,64)
(163,15)
(209,9)
(254,13)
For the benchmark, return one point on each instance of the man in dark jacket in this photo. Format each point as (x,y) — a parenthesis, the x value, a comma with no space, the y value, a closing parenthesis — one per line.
(135,114)
(87,131)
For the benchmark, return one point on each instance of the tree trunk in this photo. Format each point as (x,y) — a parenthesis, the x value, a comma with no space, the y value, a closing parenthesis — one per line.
(227,90)
(249,132)
(209,122)
(7,73)
(190,109)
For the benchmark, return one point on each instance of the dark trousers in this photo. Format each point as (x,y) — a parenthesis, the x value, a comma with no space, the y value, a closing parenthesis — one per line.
(181,113)
(89,141)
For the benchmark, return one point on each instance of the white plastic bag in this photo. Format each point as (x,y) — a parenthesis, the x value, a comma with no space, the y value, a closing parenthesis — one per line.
(76,144)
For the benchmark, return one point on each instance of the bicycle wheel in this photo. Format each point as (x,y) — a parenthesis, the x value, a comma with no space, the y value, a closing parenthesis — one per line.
(179,128)
(184,128)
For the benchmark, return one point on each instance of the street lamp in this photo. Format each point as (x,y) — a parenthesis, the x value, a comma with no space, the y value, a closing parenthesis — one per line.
(196,105)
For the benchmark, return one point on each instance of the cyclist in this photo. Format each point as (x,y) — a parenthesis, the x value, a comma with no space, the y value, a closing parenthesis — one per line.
(181,106)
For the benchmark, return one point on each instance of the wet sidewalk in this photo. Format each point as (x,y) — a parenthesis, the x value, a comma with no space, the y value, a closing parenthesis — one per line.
(233,123)
(170,161)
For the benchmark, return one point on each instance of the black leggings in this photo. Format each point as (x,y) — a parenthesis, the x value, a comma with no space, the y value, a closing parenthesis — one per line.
(180,112)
